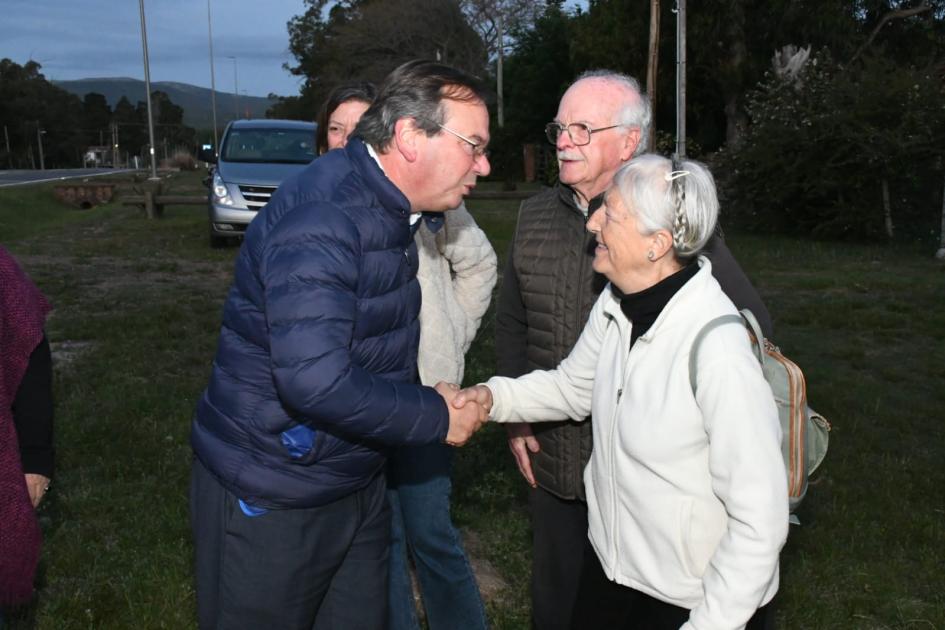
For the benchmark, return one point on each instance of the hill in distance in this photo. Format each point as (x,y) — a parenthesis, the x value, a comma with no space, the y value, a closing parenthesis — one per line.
(194,100)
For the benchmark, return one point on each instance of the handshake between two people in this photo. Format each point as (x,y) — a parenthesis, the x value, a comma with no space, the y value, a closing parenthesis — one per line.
(469,410)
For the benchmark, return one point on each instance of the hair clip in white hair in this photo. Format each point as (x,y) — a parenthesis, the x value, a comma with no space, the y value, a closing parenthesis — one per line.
(675,175)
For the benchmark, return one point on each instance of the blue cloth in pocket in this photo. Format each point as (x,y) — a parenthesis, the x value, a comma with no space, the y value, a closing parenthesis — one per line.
(298,440)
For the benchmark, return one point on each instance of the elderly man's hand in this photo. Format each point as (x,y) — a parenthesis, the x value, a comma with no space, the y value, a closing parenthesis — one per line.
(465,418)
(521,438)
(521,441)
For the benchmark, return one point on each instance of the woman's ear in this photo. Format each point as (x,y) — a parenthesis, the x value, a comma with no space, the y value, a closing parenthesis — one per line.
(406,135)
(661,243)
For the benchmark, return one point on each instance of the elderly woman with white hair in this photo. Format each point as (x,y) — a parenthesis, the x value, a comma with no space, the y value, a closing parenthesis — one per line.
(686,489)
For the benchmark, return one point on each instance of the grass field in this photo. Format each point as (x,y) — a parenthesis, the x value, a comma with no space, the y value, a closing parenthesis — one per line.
(137,308)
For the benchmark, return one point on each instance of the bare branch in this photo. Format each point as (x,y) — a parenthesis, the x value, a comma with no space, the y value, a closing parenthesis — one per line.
(892,15)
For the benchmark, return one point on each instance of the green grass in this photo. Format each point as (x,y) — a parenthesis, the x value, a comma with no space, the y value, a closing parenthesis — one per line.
(141,301)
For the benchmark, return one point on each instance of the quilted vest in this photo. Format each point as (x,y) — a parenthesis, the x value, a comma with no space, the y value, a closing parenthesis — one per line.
(552,258)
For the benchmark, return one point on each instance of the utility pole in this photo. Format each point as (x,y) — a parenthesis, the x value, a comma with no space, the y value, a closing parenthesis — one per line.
(147,87)
(500,109)
(116,158)
(39,141)
(652,66)
(680,79)
(6,136)
(213,85)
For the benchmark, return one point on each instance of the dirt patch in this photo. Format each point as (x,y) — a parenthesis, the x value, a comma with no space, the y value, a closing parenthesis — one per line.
(491,584)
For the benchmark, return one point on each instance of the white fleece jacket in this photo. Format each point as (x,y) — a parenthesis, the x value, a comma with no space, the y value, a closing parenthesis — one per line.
(687,496)
(457,273)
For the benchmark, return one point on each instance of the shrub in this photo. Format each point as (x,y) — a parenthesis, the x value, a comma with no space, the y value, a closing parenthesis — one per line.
(819,149)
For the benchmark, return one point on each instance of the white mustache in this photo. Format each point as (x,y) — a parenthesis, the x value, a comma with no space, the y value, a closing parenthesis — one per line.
(564,155)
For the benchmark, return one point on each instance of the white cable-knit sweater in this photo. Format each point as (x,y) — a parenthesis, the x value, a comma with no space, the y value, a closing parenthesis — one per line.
(457,273)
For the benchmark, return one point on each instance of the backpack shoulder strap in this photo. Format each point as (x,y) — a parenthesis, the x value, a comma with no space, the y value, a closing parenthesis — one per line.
(709,327)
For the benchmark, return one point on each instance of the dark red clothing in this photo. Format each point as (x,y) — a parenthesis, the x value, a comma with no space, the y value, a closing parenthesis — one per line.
(23,312)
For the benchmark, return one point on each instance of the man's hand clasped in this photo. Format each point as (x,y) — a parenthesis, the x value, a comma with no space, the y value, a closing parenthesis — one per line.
(469,409)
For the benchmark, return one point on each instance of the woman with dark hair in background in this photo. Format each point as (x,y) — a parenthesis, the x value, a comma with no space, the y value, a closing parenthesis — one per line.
(26,454)
(457,272)
(339,114)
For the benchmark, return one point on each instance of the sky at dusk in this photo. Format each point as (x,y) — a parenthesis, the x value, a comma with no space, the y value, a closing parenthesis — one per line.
(82,39)
(79,39)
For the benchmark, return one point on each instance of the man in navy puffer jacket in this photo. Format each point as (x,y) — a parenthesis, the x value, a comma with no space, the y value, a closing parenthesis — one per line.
(315,375)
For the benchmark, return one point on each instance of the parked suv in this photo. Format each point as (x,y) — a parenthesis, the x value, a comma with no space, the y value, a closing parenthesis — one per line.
(255,157)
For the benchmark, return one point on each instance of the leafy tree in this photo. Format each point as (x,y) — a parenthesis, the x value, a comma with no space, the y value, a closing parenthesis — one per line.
(366,39)
(28,104)
(132,133)
(537,71)
(96,119)
(31,107)
(169,128)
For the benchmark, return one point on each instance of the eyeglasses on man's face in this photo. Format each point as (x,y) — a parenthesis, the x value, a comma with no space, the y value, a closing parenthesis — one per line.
(476,149)
(580,133)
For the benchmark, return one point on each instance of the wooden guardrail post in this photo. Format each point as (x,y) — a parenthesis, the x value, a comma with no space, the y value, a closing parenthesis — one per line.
(152,208)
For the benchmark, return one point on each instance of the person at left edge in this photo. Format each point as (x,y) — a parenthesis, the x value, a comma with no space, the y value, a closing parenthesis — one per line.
(25,429)
(315,372)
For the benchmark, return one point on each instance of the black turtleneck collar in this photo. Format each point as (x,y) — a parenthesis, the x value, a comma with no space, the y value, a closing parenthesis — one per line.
(643,307)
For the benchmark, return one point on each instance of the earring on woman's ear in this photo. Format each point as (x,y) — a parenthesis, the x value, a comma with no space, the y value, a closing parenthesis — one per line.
(650,256)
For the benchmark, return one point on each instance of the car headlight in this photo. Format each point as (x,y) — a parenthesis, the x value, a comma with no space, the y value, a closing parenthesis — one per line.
(221,193)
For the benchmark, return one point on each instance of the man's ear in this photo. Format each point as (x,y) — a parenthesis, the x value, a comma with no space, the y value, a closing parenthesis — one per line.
(406,134)
(630,141)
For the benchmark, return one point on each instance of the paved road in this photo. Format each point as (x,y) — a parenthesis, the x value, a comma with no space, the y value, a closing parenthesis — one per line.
(23,177)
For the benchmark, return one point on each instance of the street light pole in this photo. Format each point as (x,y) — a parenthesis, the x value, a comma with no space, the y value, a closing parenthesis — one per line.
(147,87)
(236,86)
(213,84)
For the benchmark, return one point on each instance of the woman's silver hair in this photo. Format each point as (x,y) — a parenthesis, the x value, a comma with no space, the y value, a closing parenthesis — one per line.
(635,111)
(416,90)
(676,196)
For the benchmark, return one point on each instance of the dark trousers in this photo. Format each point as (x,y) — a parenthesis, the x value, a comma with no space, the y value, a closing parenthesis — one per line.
(602,603)
(559,533)
(322,567)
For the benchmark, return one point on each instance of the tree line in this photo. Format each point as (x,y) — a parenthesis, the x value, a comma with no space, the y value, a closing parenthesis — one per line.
(40,119)
(817,116)
(845,143)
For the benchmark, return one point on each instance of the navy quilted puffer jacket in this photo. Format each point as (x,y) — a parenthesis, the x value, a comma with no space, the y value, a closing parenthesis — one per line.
(315,372)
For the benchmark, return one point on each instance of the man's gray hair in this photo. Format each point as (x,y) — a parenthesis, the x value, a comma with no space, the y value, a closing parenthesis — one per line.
(635,112)
(416,90)
(683,201)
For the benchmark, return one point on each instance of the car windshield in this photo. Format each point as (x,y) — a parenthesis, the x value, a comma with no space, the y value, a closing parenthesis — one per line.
(280,146)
